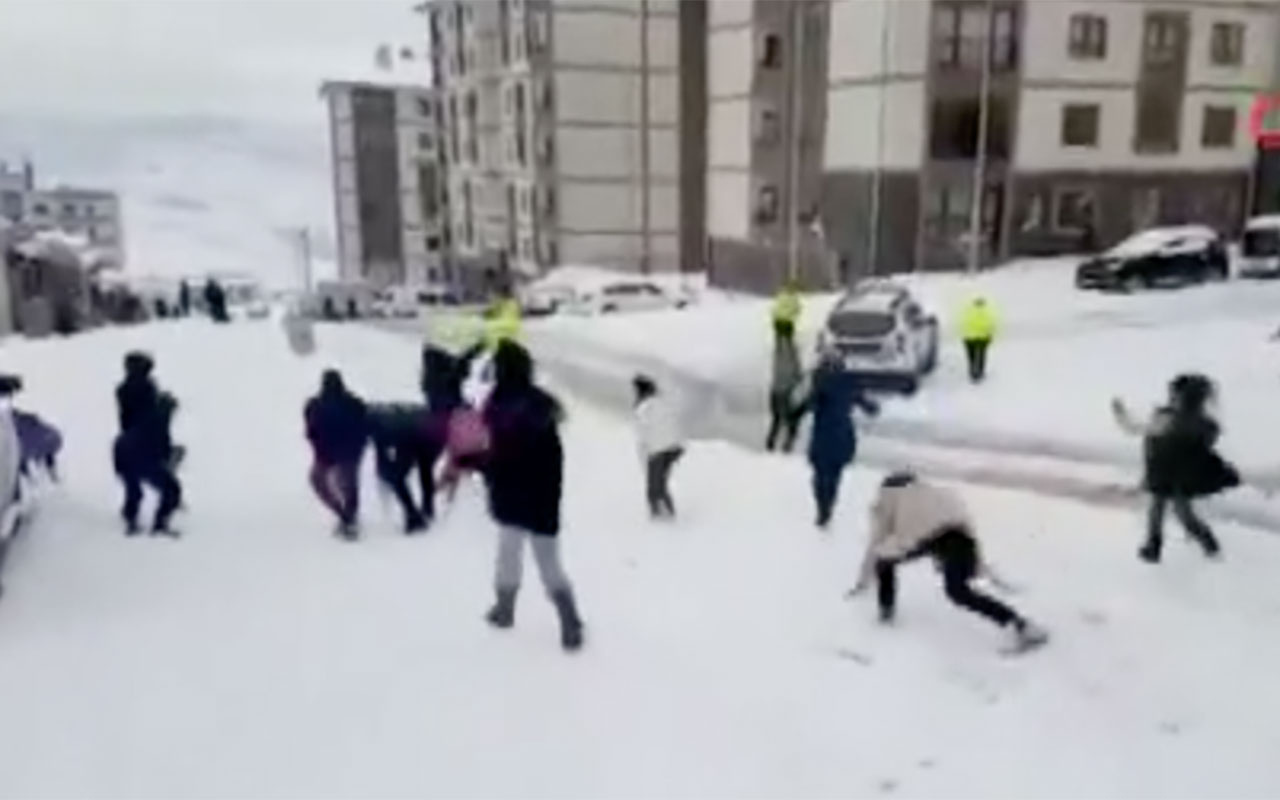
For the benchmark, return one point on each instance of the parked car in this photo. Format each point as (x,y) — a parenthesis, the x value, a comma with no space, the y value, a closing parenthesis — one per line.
(543,300)
(1260,248)
(624,294)
(880,331)
(397,302)
(1175,256)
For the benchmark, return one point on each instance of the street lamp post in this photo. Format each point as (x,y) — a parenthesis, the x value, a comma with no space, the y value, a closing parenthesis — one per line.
(980,159)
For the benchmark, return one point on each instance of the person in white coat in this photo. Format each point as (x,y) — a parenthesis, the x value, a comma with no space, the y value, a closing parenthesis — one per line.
(661,444)
(911,518)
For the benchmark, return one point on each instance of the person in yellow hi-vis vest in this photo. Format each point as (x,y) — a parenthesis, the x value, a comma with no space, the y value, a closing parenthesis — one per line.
(977,330)
(786,304)
(502,322)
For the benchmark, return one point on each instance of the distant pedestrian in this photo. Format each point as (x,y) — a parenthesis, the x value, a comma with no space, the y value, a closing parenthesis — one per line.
(977,330)
(523,470)
(338,429)
(184,298)
(144,452)
(784,385)
(911,519)
(833,442)
(661,444)
(215,299)
(1181,463)
(787,306)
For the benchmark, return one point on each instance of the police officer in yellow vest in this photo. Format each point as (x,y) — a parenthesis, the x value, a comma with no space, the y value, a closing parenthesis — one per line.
(786,305)
(977,330)
(502,322)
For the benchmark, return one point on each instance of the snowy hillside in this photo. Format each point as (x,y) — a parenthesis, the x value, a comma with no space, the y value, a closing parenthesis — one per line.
(258,656)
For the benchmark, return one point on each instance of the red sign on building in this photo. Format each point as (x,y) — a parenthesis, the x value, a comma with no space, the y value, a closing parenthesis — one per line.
(1264,120)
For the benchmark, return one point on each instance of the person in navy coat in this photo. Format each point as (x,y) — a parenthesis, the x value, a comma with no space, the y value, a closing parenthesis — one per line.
(833,442)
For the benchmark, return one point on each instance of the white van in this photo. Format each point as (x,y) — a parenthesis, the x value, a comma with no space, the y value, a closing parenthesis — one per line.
(1260,248)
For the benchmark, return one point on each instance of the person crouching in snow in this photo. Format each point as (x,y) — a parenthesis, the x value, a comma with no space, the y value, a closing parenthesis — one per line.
(833,441)
(144,452)
(911,518)
(661,445)
(523,469)
(338,429)
(1180,461)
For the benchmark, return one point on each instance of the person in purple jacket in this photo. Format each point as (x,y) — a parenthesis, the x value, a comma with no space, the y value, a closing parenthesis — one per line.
(338,429)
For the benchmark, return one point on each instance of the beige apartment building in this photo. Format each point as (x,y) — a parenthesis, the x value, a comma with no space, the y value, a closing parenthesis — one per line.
(843,136)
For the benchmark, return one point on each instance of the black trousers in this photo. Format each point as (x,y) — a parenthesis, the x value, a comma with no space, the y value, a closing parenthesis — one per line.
(955,552)
(975,351)
(657,478)
(159,477)
(826,489)
(394,467)
(783,421)
(1196,528)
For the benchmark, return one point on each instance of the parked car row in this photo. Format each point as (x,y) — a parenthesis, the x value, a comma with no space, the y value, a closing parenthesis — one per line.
(600,295)
(1182,255)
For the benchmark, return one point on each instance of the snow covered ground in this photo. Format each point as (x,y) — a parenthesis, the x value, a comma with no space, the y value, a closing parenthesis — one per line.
(1061,356)
(258,656)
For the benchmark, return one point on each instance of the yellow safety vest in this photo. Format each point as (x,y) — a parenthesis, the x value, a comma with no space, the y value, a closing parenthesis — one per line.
(977,322)
(786,307)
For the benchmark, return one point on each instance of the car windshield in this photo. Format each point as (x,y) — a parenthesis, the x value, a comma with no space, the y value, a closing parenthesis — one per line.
(858,324)
(1261,242)
(1147,242)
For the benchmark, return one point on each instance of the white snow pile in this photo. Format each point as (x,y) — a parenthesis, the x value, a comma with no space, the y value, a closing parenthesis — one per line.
(259,657)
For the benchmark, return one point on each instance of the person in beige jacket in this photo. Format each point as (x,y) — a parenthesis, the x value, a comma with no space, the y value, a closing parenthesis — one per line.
(911,518)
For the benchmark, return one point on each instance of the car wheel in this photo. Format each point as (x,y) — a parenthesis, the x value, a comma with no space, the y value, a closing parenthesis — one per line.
(930,362)
(1134,283)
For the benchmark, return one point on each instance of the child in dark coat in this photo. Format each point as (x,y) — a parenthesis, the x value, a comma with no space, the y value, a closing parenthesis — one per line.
(338,429)
(833,442)
(144,452)
(401,444)
(523,470)
(1180,462)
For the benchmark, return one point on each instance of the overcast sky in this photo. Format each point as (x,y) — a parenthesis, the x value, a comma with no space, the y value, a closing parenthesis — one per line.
(239,58)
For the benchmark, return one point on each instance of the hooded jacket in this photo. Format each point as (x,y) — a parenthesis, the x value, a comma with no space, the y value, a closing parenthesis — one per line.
(145,416)
(524,466)
(833,440)
(337,423)
(906,513)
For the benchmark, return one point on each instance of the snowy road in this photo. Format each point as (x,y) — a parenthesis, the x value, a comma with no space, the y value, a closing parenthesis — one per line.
(259,657)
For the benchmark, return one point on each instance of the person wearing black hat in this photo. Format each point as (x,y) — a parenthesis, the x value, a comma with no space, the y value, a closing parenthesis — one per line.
(661,444)
(144,452)
(1180,461)
(338,428)
(523,469)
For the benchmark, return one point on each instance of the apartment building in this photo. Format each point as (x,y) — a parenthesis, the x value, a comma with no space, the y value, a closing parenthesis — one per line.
(388,190)
(1093,117)
(92,214)
(567,123)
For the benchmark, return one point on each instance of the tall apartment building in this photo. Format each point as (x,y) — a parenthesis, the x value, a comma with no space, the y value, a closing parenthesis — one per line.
(544,105)
(1099,117)
(388,191)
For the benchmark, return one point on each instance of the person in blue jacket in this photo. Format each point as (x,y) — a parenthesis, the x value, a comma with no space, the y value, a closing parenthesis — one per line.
(337,424)
(834,438)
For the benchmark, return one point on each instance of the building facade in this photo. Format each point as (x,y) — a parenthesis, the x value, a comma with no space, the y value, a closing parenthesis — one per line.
(388,187)
(568,129)
(91,214)
(1077,120)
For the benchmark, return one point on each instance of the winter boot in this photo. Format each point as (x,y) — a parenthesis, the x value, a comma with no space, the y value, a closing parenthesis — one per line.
(503,613)
(570,622)
(347,531)
(1026,636)
(415,524)
(164,529)
(131,527)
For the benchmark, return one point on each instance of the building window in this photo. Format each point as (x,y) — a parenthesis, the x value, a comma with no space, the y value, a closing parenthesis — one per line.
(548,200)
(539,34)
(953,128)
(1226,45)
(40,209)
(525,202)
(1158,121)
(771,51)
(767,205)
(963,35)
(768,126)
(426,109)
(432,243)
(547,151)
(548,94)
(1161,36)
(1088,37)
(68,210)
(1218,128)
(1080,125)
(425,141)
(947,209)
(1073,210)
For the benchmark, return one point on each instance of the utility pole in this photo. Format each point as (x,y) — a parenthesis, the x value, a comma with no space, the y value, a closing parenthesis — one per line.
(646,254)
(873,241)
(796,10)
(980,159)
(304,248)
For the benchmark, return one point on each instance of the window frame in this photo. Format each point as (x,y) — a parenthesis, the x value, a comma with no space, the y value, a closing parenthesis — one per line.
(1065,128)
(1087,37)
(1227,44)
(1085,193)
(1210,112)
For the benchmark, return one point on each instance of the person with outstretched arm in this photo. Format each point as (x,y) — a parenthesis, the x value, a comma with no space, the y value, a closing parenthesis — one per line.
(833,441)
